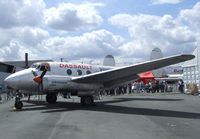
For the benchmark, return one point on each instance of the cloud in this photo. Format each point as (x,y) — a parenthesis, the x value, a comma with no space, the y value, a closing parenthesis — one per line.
(166,1)
(39,44)
(15,51)
(149,31)
(91,45)
(30,36)
(192,16)
(21,13)
(70,17)
(15,42)
(30,27)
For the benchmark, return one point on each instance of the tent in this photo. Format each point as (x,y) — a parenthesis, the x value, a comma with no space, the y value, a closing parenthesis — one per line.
(146,77)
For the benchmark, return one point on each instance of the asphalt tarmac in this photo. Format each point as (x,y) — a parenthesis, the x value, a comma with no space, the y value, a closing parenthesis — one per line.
(137,116)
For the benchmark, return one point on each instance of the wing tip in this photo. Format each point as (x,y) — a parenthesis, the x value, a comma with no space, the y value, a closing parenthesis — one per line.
(188,56)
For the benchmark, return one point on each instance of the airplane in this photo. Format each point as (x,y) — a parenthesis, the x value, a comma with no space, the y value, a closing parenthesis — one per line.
(82,80)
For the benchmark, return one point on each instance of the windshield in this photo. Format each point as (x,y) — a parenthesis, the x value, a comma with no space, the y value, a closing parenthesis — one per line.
(41,66)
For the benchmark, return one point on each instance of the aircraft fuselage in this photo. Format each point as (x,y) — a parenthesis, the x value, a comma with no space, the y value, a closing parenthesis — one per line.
(57,78)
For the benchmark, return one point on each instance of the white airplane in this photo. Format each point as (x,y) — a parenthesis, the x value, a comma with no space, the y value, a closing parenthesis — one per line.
(82,80)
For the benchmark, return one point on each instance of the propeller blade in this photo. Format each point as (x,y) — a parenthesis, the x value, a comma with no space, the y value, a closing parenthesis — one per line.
(43,73)
(34,73)
(38,79)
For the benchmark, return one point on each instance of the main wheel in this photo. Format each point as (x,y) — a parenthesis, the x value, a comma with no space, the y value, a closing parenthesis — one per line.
(87,100)
(18,105)
(51,98)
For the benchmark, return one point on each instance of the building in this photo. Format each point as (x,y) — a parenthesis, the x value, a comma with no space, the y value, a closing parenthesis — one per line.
(156,53)
(109,60)
(191,69)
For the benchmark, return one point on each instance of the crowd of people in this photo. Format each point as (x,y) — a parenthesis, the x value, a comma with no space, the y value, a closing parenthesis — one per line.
(154,86)
(151,87)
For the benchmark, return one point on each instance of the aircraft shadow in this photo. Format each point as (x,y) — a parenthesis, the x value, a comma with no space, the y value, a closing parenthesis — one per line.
(117,100)
(108,107)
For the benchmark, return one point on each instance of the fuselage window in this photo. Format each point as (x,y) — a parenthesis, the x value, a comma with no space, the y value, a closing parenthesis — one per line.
(79,72)
(69,71)
(88,72)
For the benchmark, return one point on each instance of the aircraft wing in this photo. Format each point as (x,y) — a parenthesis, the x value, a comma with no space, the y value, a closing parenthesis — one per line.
(7,68)
(127,73)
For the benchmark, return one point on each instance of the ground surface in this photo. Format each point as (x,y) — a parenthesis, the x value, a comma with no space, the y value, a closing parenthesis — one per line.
(137,116)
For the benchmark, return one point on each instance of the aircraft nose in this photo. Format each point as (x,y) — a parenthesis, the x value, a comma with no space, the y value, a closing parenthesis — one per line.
(11,81)
(21,80)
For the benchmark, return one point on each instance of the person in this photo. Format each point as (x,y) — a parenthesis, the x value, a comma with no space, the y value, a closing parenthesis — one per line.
(147,86)
(29,97)
(124,89)
(162,86)
(157,87)
(0,99)
(150,87)
(153,86)
(8,94)
(18,96)
(181,86)
(129,88)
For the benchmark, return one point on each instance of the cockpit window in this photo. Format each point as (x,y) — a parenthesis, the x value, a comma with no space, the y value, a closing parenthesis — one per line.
(41,66)
(35,65)
(38,67)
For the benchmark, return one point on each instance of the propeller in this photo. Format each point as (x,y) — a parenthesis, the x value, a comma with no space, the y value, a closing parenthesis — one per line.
(37,78)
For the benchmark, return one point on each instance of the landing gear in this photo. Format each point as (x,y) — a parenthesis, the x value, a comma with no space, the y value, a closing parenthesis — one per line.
(51,98)
(18,103)
(87,100)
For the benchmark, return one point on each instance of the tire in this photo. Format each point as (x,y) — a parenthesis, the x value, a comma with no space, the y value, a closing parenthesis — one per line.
(87,100)
(18,105)
(51,98)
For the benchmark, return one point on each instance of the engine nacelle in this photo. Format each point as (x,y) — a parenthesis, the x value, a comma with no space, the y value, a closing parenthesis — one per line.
(55,83)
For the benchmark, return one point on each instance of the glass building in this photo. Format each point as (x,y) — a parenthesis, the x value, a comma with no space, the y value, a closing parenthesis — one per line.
(191,69)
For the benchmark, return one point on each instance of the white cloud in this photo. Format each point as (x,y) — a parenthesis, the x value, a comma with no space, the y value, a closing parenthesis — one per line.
(15,51)
(71,17)
(15,42)
(25,28)
(92,45)
(27,35)
(148,32)
(21,12)
(39,44)
(31,36)
(192,16)
(166,1)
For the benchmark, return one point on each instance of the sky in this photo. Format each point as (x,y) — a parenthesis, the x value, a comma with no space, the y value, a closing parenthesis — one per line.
(90,30)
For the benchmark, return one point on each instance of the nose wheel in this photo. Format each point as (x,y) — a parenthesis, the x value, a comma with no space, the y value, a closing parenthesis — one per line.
(18,103)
